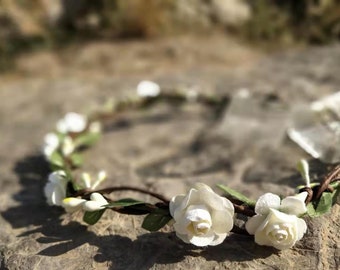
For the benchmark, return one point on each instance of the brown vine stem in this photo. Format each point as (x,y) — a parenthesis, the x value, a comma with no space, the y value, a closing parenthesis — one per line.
(316,192)
(331,177)
(242,209)
(124,188)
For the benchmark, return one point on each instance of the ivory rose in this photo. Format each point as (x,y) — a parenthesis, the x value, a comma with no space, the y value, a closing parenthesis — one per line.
(202,217)
(277,223)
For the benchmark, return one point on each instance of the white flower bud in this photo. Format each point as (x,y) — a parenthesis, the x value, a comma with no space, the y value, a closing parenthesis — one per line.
(72,122)
(67,146)
(148,89)
(72,204)
(96,203)
(51,144)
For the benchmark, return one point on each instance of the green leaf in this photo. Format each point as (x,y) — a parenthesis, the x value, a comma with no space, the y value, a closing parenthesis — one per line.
(87,139)
(123,203)
(335,194)
(324,204)
(93,217)
(311,210)
(77,159)
(56,159)
(238,196)
(156,220)
(303,168)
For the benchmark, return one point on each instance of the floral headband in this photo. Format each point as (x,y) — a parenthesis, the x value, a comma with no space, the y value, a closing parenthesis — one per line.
(200,217)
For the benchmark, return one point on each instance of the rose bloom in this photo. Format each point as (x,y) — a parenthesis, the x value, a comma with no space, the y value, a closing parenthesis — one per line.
(202,217)
(277,223)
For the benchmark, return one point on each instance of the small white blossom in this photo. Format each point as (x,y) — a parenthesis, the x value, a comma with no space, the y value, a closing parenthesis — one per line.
(55,188)
(95,127)
(87,180)
(277,223)
(72,122)
(148,89)
(97,202)
(67,146)
(51,144)
(72,204)
(202,217)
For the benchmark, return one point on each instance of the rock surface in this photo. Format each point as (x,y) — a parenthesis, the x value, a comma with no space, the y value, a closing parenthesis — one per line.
(164,149)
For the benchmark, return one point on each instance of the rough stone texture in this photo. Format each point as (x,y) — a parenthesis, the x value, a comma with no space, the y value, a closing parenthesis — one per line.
(164,149)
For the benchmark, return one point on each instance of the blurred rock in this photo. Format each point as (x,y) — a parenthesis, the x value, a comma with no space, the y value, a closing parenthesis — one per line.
(26,18)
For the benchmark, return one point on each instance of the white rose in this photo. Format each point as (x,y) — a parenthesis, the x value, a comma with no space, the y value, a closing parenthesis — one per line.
(202,217)
(277,223)
(72,122)
(55,188)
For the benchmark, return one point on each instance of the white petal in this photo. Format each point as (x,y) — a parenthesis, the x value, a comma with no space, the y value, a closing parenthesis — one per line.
(202,186)
(191,198)
(222,221)
(175,202)
(61,126)
(72,204)
(75,122)
(48,190)
(68,146)
(57,176)
(148,89)
(294,205)
(100,178)
(202,240)
(254,223)
(197,213)
(93,206)
(86,179)
(95,127)
(98,198)
(58,195)
(48,151)
(262,239)
(302,228)
(181,226)
(267,201)
(52,140)
(276,216)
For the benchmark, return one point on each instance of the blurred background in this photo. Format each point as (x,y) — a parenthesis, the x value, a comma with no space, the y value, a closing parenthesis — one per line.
(28,26)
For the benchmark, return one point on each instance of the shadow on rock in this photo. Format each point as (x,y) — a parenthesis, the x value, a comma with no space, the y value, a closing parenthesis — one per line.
(32,209)
(147,250)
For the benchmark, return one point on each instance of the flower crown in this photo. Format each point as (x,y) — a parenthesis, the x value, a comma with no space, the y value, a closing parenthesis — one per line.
(200,217)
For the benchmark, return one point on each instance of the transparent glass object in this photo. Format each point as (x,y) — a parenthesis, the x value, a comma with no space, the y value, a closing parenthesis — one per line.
(316,128)
(254,122)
